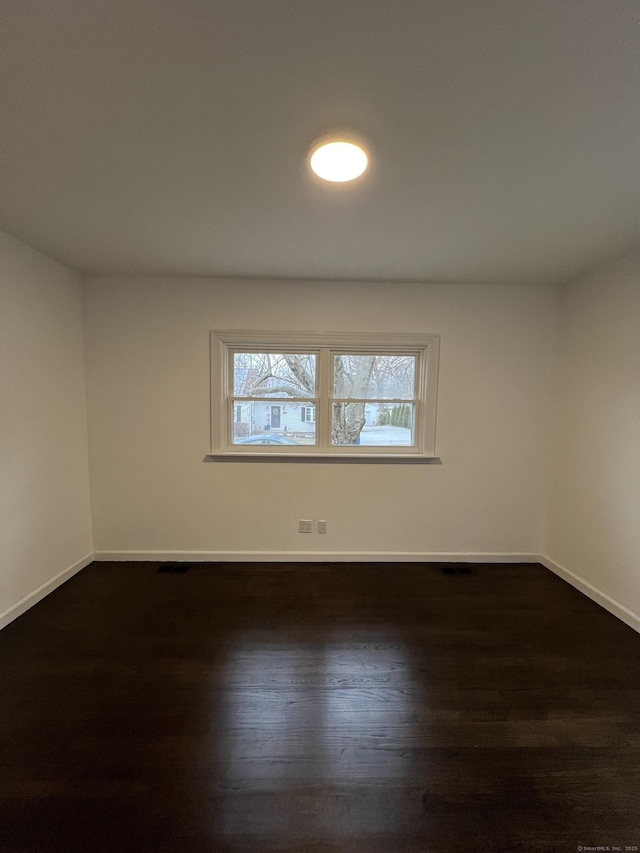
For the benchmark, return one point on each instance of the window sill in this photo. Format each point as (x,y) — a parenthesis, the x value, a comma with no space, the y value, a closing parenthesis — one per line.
(386,458)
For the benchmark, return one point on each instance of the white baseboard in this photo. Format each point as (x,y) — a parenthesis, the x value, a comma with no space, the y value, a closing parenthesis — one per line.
(42,591)
(316,556)
(627,616)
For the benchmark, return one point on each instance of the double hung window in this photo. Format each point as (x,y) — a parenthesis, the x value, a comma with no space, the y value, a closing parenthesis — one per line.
(305,394)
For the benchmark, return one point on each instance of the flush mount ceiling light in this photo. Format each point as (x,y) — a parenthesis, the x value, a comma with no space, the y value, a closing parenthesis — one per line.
(338,158)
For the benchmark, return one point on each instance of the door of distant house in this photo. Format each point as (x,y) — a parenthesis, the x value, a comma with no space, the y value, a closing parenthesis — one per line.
(275,417)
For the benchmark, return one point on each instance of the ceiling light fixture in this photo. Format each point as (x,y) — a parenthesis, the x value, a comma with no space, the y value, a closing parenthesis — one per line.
(338,158)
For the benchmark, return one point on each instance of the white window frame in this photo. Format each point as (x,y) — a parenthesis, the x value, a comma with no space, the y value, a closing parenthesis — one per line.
(310,417)
(425,347)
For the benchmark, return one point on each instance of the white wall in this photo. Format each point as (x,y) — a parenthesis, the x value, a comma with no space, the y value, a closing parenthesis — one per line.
(45,526)
(148,395)
(593,510)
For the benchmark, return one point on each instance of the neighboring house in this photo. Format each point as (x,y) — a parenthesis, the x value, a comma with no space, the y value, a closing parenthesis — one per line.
(257,416)
(293,418)
(281,417)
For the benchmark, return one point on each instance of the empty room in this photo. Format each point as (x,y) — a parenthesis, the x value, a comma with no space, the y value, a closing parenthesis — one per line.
(320,426)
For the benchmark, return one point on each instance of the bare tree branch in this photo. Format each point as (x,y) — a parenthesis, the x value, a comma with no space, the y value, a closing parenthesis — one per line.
(272,389)
(301,373)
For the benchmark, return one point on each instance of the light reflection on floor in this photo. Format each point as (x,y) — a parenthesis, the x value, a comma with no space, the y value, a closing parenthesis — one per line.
(331,714)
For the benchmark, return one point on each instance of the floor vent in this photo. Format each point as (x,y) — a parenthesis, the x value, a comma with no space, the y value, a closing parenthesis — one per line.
(175,568)
(455,570)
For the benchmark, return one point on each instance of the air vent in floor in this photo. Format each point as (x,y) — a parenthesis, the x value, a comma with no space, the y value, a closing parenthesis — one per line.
(455,570)
(175,568)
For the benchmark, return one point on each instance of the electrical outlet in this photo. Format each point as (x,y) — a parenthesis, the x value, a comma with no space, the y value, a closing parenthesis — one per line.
(305,525)
(322,526)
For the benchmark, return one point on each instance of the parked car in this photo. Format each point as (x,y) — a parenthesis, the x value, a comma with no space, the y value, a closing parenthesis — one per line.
(266,439)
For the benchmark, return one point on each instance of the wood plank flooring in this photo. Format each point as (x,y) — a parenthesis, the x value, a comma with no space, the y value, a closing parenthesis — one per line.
(322,708)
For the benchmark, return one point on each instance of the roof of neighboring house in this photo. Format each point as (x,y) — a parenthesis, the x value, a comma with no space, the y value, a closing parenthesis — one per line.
(245,379)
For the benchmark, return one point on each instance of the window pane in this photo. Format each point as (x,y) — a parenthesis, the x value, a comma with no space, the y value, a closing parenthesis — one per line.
(260,374)
(372,424)
(276,424)
(374,377)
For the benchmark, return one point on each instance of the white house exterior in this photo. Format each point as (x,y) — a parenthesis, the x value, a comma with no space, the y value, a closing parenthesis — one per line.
(283,417)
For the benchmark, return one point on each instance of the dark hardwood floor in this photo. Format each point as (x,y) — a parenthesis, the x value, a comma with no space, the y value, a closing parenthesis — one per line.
(319,708)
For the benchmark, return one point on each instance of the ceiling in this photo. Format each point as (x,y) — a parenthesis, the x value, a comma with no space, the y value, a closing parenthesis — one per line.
(169,136)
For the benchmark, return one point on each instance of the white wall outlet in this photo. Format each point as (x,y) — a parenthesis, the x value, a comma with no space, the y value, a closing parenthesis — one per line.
(305,525)
(322,526)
